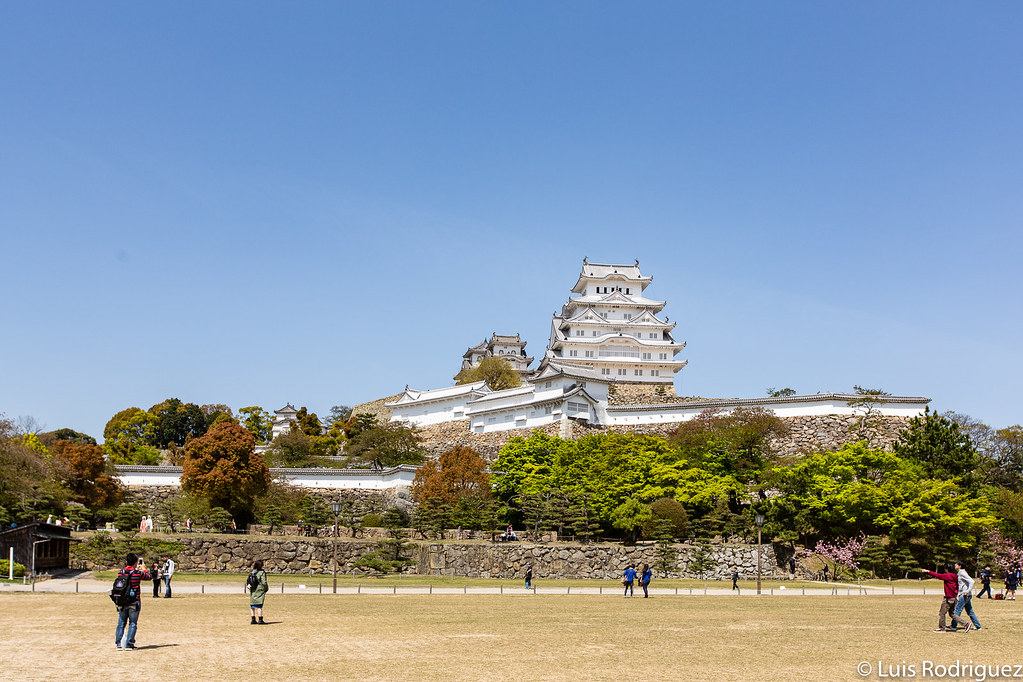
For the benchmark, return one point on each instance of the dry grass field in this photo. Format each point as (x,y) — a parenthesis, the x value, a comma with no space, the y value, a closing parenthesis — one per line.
(461,637)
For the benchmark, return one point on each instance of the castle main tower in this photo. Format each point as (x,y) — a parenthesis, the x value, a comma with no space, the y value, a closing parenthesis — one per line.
(612,329)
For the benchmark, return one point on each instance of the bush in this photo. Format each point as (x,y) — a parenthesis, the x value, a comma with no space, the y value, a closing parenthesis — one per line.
(5,569)
(372,521)
(669,519)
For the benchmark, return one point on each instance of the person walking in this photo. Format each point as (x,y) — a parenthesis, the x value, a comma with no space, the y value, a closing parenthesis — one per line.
(258,589)
(168,573)
(156,578)
(985,580)
(964,600)
(1010,585)
(128,616)
(645,576)
(792,566)
(628,579)
(529,576)
(735,578)
(950,581)
(825,573)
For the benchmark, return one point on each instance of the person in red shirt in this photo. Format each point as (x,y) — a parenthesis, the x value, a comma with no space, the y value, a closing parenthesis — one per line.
(948,602)
(136,571)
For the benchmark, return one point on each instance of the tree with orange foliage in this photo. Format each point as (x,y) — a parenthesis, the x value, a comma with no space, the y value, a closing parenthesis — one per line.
(83,470)
(457,487)
(222,467)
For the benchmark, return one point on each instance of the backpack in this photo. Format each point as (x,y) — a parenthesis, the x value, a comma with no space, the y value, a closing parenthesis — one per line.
(121,592)
(252,582)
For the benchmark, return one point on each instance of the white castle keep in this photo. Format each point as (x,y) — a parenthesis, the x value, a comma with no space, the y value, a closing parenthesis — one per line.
(606,338)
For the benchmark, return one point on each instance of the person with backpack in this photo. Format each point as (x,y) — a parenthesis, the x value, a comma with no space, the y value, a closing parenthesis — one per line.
(645,576)
(127,596)
(258,588)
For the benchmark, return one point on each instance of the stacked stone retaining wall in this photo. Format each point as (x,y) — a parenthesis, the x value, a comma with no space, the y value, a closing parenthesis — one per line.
(805,434)
(217,553)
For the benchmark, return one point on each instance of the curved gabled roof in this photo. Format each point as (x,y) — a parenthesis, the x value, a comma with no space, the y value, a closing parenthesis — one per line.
(616,298)
(412,396)
(606,271)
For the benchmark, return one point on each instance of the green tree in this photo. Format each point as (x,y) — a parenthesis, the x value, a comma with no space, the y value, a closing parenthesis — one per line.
(780,392)
(28,485)
(69,434)
(359,422)
(223,468)
(494,370)
(258,422)
(388,445)
(215,413)
(308,423)
(290,449)
(128,433)
(339,414)
(174,422)
(393,553)
(219,518)
(867,408)
(942,448)
(667,554)
(668,516)
(580,519)
(630,517)
(128,518)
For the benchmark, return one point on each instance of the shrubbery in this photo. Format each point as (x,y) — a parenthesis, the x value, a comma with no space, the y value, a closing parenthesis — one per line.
(5,569)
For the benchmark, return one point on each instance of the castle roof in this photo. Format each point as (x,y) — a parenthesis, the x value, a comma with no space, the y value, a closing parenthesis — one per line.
(605,271)
(411,395)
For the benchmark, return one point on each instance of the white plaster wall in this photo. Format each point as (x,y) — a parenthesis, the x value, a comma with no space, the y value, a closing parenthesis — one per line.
(310,478)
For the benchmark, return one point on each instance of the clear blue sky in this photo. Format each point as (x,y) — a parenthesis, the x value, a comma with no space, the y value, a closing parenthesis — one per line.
(255,203)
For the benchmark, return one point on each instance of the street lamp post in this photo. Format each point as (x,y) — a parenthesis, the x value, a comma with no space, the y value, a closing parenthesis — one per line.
(759,519)
(336,507)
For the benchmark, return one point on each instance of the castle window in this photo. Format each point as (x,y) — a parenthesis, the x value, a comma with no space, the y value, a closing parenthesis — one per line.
(655,372)
(626,290)
(605,370)
(547,385)
(638,372)
(622,372)
(646,356)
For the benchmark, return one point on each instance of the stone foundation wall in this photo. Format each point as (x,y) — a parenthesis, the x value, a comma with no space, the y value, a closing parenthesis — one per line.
(806,434)
(643,394)
(217,553)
